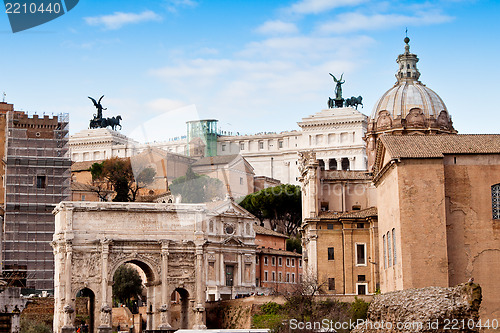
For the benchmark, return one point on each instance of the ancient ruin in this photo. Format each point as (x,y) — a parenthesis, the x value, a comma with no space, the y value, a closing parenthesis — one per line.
(188,248)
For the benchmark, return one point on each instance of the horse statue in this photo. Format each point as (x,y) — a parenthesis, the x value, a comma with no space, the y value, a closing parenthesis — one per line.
(354,101)
(114,122)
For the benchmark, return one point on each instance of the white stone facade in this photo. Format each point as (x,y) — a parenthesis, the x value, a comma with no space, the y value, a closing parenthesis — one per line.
(336,135)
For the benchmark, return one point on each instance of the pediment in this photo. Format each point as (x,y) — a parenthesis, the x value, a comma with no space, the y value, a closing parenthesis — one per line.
(231,240)
(231,209)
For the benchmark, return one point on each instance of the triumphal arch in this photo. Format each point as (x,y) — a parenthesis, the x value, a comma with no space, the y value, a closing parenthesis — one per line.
(188,248)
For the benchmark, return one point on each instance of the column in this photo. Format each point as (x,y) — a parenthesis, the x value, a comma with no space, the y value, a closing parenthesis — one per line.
(339,163)
(199,308)
(351,163)
(165,307)
(105,326)
(327,163)
(68,308)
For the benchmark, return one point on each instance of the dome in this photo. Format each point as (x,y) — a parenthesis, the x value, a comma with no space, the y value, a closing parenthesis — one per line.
(409,104)
(406,96)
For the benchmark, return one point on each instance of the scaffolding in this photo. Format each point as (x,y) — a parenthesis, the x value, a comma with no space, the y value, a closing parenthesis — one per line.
(37,176)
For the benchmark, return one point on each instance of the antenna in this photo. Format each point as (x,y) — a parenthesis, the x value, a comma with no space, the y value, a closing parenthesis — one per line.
(4,94)
(406,31)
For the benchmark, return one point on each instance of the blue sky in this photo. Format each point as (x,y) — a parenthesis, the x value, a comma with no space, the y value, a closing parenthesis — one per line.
(254,65)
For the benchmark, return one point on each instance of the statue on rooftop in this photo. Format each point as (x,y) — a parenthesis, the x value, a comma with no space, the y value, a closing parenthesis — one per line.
(98,106)
(338,87)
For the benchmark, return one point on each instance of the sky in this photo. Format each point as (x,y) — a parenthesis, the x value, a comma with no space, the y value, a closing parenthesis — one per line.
(256,66)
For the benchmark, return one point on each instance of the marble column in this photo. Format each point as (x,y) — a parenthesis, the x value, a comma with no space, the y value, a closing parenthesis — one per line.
(165,307)
(105,326)
(199,307)
(339,163)
(351,163)
(327,163)
(68,307)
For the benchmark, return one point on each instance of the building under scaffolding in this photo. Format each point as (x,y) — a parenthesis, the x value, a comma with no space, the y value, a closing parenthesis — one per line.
(36,176)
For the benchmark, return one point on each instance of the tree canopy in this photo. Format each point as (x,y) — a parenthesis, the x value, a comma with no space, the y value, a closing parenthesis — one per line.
(127,283)
(280,204)
(118,174)
(195,188)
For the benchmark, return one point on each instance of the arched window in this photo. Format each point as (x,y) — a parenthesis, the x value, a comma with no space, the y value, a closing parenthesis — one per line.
(495,201)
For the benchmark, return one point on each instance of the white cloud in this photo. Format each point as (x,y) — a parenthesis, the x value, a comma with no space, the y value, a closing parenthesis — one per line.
(172,5)
(165,104)
(349,22)
(318,6)
(277,27)
(119,19)
(275,73)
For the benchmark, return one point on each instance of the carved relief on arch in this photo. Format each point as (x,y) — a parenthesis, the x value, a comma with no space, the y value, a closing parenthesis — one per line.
(86,265)
(415,118)
(384,120)
(443,119)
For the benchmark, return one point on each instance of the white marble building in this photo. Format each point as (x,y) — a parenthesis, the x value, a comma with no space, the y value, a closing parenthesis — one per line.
(336,135)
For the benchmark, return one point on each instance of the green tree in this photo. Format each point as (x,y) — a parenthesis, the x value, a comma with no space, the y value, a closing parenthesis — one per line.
(127,283)
(117,173)
(195,188)
(294,244)
(280,204)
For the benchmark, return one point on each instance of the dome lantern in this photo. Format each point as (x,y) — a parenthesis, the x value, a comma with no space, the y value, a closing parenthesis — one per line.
(407,65)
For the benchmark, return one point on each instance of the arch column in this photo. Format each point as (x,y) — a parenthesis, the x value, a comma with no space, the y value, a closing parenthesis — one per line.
(199,307)
(105,326)
(68,306)
(165,299)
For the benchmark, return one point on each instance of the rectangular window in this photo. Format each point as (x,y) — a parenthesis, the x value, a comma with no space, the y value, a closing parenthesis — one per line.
(261,145)
(83,197)
(287,277)
(273,261)
(293,277)
(265,260)
(361,225)
(274,276)
(394,245)
(361,278)
(329,226)
(495,201)
(265,276)
(300,263)
(389,250)
(293,262)
(287,262)
(280,277)
(280,144)
(241,180)
(40,181)
(331,284)
(223,147)
(280,261)
(385,252)
(361,288)
(242,146)
(331,254)
(361,254)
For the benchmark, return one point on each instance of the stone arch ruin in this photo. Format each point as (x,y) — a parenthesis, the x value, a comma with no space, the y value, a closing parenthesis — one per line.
(171,243)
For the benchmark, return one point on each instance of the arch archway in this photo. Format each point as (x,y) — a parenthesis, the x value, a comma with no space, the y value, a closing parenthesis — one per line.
(180,310)
(88,293)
